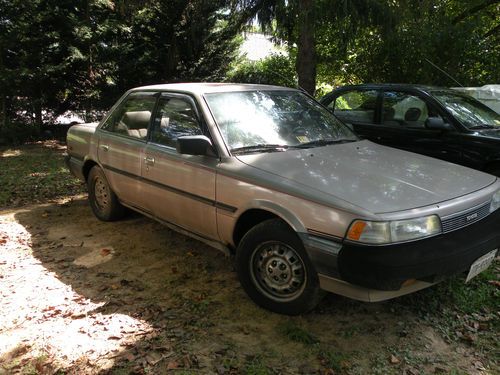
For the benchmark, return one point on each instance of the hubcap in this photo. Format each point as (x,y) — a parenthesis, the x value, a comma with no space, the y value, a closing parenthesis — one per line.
(101,193)
(278,271)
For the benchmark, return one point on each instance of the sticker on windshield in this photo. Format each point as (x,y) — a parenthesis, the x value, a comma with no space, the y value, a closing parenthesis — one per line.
(302,138)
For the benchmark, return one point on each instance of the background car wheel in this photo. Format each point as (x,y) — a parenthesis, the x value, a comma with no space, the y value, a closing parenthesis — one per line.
(103,200)
(275,270)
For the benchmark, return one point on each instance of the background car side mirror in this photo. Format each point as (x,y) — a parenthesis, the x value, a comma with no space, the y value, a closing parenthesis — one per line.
(194,145)
(437,123)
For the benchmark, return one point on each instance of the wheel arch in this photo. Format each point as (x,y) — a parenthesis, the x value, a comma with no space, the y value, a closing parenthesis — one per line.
(87,166)
(261,211)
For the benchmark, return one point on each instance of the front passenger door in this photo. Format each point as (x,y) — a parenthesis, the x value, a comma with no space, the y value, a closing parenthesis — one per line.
(181,188)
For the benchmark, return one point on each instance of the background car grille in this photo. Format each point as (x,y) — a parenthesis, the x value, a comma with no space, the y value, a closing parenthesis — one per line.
(456,222)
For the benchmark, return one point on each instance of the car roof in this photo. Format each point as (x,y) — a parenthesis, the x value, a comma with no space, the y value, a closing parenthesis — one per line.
(210,87)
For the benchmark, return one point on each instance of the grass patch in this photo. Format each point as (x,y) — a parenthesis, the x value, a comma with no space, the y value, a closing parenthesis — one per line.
(35,173)
(295,333)
(336,361)
(466,313)
(256,366)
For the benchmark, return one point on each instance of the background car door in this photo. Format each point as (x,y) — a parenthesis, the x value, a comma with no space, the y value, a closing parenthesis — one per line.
(404,118)
(181,188)
(359,109)
(122,140)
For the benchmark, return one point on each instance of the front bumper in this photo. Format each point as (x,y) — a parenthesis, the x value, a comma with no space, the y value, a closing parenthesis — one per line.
(388,267)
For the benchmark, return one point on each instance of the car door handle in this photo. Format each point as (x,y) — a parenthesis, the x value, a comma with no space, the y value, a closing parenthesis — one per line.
(105,147)
(149,160)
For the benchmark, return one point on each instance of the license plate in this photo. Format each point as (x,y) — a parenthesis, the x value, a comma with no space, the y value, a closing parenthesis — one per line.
(480,265)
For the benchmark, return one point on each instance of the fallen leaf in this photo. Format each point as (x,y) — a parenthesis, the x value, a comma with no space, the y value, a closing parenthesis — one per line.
(172,365)
(394,360)
(494,283)
(105,252)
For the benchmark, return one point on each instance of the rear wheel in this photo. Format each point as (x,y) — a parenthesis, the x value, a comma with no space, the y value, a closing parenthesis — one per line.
(275,271)
(103,200)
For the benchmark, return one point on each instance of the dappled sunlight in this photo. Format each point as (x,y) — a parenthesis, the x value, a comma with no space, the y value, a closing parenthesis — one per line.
(10,153)
(47,317)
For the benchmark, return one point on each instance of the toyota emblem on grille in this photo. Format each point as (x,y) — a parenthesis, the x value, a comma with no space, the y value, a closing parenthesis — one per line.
(472,217)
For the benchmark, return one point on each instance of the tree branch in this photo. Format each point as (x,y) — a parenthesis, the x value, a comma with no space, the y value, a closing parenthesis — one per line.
(471,11)
(493,31)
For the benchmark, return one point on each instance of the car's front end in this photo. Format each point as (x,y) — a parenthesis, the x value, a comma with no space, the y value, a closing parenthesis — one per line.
(378,260)
(375,222)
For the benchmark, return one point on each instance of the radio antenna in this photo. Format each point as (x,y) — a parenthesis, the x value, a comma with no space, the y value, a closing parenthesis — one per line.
(442,71)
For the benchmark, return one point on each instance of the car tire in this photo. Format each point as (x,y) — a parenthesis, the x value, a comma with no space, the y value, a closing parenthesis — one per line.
(103,200)
(275,271)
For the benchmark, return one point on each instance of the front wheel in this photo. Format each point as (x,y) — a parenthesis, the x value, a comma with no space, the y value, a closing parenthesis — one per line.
(103,200)
(275,271)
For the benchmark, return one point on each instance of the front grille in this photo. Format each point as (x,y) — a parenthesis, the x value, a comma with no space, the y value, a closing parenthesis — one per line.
(465,218)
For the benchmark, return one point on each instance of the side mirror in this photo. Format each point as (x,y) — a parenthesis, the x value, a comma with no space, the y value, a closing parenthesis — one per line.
(437,123)
(194,145)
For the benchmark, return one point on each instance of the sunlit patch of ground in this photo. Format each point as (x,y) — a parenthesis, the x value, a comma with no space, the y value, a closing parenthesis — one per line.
(42,318)
(9,153)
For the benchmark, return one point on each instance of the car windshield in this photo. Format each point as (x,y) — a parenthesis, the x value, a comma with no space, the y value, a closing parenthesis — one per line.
(267,121)
(470,112)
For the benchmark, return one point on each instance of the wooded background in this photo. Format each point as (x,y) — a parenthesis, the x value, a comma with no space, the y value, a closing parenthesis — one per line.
(81,55)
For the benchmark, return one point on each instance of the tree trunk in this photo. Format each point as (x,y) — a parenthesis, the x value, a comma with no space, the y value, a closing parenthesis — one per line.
(306,51)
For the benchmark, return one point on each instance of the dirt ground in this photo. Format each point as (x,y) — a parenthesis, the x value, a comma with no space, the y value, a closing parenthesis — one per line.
(80,296)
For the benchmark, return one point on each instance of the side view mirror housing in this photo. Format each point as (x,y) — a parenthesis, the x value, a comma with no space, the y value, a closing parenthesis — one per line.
(194,145)
(437,123)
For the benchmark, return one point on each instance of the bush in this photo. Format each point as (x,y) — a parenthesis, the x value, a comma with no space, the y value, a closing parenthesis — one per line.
(16,133)
(273,70)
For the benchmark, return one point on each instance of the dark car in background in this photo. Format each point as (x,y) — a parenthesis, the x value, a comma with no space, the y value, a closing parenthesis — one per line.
(437,122)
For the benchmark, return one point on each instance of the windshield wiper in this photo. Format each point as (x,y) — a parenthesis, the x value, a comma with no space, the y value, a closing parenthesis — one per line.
(324,142)
(259,148)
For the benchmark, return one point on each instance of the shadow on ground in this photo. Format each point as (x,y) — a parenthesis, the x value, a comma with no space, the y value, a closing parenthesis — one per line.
(134,297)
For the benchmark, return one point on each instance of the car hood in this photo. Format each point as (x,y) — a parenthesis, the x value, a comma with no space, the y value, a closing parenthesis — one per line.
(373,177)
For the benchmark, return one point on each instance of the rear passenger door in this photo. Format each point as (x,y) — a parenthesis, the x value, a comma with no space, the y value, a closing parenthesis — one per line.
(122,141)
(180,188)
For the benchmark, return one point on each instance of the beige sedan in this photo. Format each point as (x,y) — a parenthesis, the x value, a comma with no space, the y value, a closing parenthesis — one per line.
(268,174)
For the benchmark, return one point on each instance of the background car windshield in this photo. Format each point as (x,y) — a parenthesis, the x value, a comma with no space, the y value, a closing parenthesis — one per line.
(467,110)
(288,118)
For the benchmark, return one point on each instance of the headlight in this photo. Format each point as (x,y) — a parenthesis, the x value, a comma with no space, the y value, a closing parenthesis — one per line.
(495,201)
(383,232)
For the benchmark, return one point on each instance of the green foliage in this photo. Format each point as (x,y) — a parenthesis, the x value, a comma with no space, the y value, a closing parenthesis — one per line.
(296,333)
(82,55)
(15,133)
(273,70)
(448,34)
(34,173)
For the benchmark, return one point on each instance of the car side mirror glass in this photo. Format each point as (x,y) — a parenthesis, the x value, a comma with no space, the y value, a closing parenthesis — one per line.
(437,123)
(194,145)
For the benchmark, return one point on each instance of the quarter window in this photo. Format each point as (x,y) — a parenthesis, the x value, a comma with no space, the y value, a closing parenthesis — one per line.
(356,106)
(175,118)
(132,116)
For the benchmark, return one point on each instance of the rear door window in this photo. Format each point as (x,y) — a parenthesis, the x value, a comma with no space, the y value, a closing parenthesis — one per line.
(131,118)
